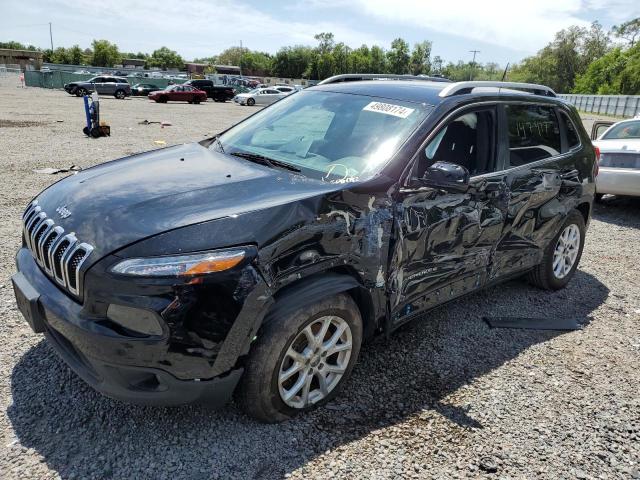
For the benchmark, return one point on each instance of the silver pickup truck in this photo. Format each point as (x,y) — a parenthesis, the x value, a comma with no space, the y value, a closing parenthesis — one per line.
(116,86)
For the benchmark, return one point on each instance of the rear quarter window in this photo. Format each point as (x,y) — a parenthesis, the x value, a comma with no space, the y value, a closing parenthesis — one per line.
(534,133)
(573,139)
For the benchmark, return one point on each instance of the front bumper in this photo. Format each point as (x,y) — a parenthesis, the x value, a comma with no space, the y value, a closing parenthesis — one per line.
(168,369)
(618,181)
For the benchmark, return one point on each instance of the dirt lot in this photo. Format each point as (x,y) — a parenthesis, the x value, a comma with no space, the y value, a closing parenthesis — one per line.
(444,398)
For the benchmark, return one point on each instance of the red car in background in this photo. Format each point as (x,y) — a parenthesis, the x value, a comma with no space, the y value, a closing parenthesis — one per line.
(179,93)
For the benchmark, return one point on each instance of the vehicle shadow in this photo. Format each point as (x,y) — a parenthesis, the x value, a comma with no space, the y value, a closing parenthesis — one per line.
(81,434)
(621,211)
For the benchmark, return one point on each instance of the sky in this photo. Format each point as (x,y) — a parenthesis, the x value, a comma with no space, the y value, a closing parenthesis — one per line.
(502,30)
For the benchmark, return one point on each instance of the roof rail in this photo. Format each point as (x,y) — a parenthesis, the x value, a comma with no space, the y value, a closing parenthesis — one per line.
(354,77)
(460,88)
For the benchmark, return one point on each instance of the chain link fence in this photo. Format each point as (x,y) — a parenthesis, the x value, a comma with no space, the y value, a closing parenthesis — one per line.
(627,106)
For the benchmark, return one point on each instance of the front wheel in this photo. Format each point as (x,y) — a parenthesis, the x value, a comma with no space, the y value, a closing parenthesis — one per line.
(561,258)
(251,102)
(120,94)
(301,361)
(81,92)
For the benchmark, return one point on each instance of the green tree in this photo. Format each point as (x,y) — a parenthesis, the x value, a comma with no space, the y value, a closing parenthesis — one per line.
(105,54)
(420,63)
(398,57)
(293,62)
(565,58)
(13,45)
(165,59)
(378,62)
(629,31)
(76,55)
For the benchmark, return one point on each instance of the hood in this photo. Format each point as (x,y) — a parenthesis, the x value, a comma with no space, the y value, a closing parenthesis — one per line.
(618,145)
(123,201)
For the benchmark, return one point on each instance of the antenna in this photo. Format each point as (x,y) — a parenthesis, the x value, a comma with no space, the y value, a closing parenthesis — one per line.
(504,75)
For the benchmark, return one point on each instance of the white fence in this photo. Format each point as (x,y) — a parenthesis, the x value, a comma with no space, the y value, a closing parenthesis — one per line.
(618,105)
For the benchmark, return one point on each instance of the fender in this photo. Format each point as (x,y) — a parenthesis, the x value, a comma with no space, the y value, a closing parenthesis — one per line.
(311,289)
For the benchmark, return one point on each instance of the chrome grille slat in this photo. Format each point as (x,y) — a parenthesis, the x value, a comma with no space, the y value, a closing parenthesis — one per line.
(60,256)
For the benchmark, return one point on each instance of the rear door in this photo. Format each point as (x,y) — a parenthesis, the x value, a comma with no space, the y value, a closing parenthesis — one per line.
(108,87)
(540,171)
(444,240)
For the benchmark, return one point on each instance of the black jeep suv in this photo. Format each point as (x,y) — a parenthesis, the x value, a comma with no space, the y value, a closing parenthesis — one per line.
(219,93)
(257,262)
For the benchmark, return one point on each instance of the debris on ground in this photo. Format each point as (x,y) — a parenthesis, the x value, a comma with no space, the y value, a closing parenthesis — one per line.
(159,142)
(53,171)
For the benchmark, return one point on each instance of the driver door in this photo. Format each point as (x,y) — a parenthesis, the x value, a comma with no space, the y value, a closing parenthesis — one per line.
(445,238)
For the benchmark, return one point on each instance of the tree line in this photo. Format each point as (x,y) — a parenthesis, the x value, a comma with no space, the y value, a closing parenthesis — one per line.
(578,60)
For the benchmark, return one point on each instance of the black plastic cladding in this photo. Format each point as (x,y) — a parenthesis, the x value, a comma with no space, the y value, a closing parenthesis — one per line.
(404,250)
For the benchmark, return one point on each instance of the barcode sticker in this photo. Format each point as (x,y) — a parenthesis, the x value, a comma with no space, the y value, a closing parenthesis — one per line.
(389,109)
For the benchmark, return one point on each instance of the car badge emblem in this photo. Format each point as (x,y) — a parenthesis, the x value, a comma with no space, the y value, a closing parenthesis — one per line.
(63,211)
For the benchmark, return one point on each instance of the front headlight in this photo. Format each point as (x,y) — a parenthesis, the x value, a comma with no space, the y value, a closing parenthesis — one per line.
(181,265)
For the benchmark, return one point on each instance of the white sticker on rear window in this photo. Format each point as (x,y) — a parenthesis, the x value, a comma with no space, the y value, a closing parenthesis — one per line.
(389,109)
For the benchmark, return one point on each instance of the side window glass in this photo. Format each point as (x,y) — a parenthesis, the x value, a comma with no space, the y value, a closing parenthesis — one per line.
(468,140)
(573,139)
(534,133)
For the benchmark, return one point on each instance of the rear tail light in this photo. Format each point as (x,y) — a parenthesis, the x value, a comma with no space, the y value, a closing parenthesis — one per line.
(596,168)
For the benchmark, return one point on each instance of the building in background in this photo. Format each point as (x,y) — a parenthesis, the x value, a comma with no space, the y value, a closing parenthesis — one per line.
(26,59)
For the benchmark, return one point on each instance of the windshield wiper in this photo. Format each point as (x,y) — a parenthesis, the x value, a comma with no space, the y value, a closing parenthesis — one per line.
(270,162)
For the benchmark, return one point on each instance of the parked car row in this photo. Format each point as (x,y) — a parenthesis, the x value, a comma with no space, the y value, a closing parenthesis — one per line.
(192,91)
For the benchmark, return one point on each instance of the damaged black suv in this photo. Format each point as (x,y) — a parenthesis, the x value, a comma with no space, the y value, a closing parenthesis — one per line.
(256,262)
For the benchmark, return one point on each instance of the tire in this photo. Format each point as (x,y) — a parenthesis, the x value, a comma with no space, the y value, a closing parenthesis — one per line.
(196,101)
(162,99)
(120,94)
(259,393)
(81,92)
(544,275)
(598,197)
(251,102)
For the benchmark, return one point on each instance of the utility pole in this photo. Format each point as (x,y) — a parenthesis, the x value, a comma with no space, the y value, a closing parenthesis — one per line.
(240,58)
(51,36)
(473,62)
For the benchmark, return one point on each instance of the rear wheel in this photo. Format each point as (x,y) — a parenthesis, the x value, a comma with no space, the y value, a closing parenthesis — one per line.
(562,256)
(302,360)
(162,99)
(251,102)
(120,94)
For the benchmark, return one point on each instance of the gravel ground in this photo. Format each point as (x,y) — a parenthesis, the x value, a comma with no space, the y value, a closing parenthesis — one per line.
(443,398)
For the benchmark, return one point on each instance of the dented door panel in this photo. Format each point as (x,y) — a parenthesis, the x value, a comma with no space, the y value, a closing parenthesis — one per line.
(443,244)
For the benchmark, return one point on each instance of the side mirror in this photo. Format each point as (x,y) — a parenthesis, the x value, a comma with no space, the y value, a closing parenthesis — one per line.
(447,176)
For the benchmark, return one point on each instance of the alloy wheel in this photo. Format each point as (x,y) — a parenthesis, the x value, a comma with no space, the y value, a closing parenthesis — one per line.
(315,361)
(566,251)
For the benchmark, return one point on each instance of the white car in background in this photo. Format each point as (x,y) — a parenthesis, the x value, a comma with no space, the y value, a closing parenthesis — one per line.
(619,146)
(285,89)
(259,96)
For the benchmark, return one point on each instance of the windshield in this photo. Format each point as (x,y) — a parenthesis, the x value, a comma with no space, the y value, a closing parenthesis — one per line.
(327,135)
(623,131)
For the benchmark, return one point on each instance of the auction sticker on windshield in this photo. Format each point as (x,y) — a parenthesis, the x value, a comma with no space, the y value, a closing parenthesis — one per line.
(389,109)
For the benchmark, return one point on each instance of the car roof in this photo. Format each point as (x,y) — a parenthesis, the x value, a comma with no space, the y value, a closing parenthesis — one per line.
(417,91)
(423,91)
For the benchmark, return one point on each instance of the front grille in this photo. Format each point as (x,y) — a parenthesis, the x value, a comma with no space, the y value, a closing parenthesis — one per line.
(60,255)
(620,160)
